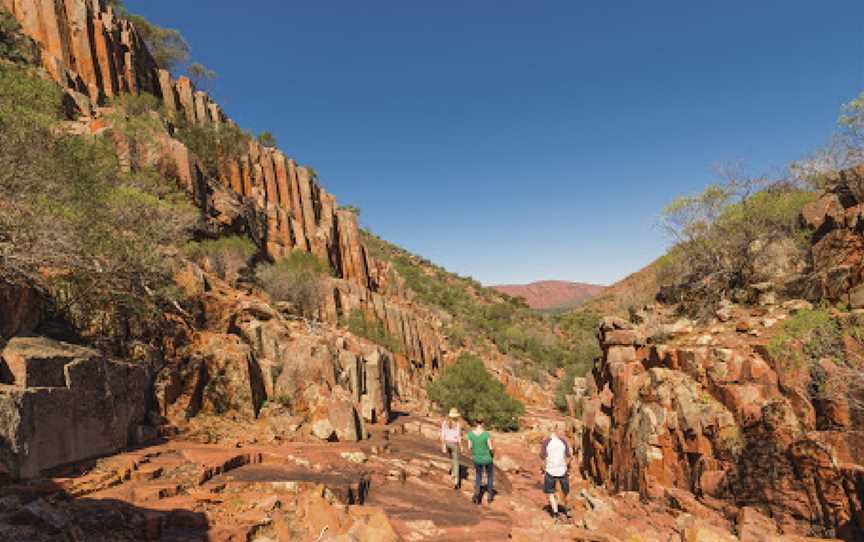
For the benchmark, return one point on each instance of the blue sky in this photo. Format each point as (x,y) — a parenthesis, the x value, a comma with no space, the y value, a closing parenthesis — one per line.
(516,141)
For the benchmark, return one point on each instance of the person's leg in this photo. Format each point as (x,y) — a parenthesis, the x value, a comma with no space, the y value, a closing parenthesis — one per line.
(454,461)
(565,489)
(490,486)
(478,474)
(549,489)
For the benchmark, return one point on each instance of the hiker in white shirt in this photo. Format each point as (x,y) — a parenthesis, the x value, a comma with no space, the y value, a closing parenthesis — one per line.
(556,453)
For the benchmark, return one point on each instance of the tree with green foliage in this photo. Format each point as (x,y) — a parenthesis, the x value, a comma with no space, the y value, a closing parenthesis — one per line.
(469,387)
(267,139)
(724,235)
(167,45)
(214,145)
(67,207)
(227,256)
(299,279)
(200,75)
(359,324)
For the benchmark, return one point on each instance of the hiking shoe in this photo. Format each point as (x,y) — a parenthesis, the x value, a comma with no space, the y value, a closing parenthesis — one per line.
(492,496)
(476,499)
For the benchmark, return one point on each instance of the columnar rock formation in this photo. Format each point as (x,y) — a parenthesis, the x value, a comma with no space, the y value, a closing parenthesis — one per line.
(96,56)
(247,354)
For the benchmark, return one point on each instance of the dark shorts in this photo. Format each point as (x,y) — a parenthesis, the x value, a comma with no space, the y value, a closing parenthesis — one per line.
(549,482)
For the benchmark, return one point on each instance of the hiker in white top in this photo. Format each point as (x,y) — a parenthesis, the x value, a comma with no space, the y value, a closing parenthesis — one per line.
(451,444)
(556,453)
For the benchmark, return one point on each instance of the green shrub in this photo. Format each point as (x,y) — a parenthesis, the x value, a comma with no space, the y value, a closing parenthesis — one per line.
(65,207)
(14,45)
(723,233)
(374,330)
(214,145)
(138,117)
(474,392)
(808,336)
(299,279)
(200,75)
(351,209)
(227,255)
(565,388)
(267,139)
(168,47)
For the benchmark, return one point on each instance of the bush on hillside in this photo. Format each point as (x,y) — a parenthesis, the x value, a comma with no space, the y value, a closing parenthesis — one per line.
(299,279)
(167,45)
(227,256)
(811,337)
(214,145)
(267,139)
(200,75)
(14,45)
(65,207)
(724,235)
(468,387)
(374,330)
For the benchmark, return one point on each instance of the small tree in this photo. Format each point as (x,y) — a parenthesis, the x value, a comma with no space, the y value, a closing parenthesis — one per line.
(168,47)
(267,139)
(468,387)
(723,233)
(201,75)
(227,255)
(298,279)
(353,209)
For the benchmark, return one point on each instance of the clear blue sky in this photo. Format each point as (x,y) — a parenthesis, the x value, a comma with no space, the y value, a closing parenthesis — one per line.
(515,141)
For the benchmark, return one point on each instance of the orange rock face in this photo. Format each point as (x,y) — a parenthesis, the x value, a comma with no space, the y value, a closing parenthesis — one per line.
(723,420)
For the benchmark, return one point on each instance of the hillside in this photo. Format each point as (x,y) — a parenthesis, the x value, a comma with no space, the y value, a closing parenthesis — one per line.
(551,294)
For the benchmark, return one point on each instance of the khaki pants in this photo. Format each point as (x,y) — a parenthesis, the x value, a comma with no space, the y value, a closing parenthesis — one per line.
(453,451)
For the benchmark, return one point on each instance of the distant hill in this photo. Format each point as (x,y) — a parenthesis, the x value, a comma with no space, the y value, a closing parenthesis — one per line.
(551,294)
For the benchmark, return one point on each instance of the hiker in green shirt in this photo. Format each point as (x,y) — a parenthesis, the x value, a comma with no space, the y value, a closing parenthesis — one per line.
(481,453)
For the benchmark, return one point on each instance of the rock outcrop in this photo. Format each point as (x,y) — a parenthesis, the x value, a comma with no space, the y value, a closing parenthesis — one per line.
(61,403)
(712,413)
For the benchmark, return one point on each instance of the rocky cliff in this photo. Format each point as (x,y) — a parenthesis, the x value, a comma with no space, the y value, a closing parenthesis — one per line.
(759,406)
(96,56)
(237,355)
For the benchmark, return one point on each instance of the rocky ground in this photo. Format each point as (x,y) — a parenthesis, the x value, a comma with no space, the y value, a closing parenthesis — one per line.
(395,485)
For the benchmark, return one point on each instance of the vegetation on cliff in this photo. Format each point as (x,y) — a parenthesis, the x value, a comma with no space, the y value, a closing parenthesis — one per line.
(726,235)
(545,343)
(72,220)
(469,388)
(297,279)
(825,344)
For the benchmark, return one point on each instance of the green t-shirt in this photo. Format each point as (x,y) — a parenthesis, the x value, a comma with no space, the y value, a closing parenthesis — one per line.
(480,452)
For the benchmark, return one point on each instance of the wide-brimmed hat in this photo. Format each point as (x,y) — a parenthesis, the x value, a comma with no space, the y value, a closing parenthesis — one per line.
(453,413)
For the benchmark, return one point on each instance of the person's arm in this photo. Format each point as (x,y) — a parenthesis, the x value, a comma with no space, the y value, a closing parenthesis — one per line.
(543,448)
(490,443)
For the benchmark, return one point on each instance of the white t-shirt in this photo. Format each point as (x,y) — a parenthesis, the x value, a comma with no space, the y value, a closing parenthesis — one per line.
(556,457)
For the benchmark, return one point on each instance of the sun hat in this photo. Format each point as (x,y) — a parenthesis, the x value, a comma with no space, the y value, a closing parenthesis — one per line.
(453,413)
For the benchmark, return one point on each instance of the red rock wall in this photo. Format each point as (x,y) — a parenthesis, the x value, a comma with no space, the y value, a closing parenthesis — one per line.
(96,56)
(724,421)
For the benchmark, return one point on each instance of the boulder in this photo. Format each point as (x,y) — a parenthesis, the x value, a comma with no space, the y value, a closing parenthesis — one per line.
(84,406)
(20,309)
